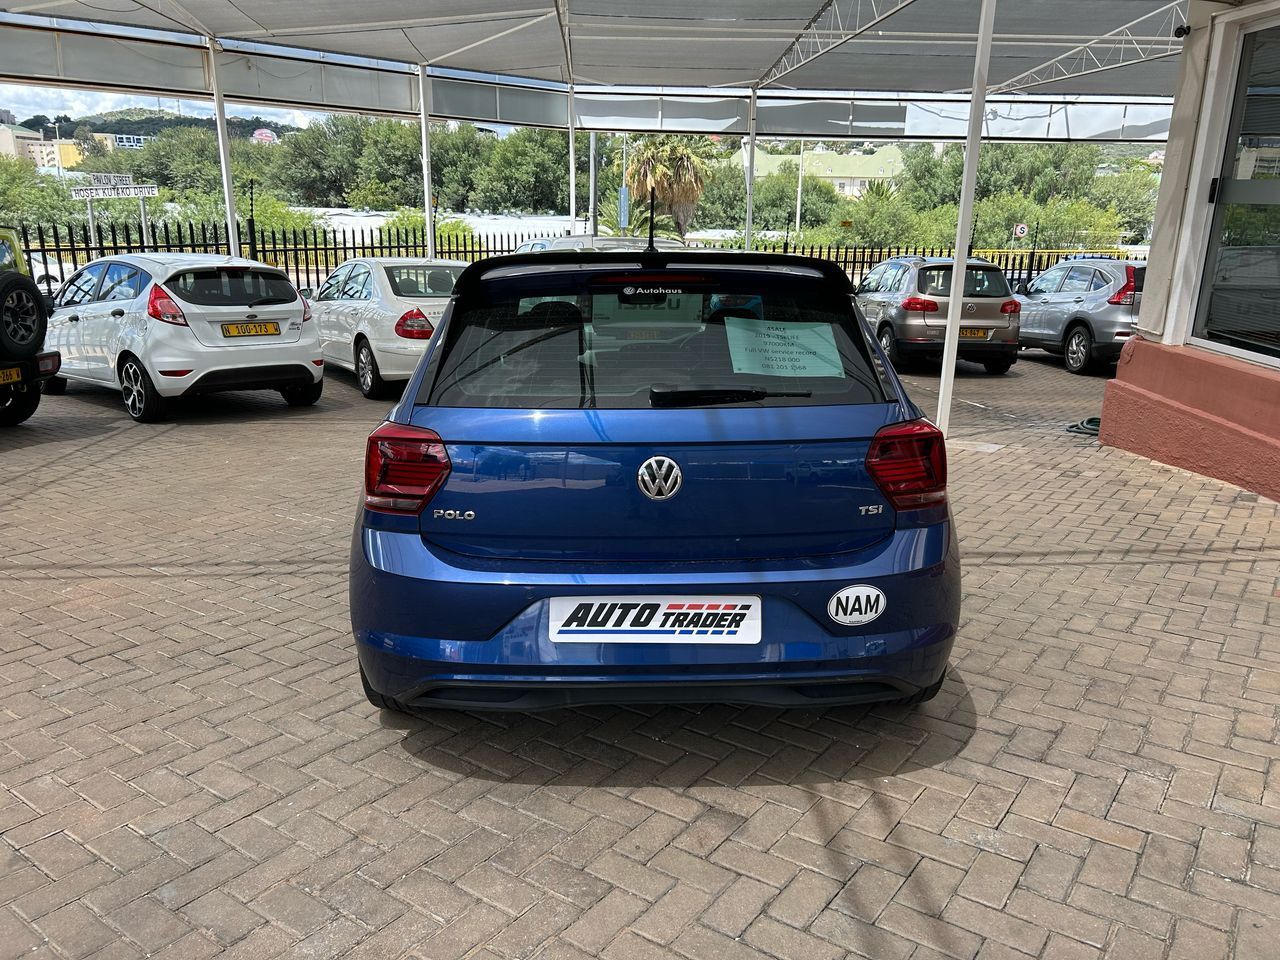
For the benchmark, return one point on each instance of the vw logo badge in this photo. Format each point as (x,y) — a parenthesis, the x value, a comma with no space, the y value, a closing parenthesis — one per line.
(970,308)
(659,478)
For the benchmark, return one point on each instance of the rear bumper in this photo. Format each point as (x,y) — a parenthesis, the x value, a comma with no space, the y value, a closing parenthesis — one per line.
(397,359)
(432,633)
(271,377)
(35,370)
(969,350)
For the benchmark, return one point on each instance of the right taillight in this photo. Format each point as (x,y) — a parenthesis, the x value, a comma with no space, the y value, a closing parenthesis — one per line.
(413,325)
(161,306)
(908,462)
(920,305)
(403,468)
(1010,306)
(1128,292)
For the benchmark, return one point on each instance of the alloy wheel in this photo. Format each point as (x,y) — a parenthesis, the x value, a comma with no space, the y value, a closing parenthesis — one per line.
(1077,350)
(886,339)
(364,367)
(21,316)
(132,387)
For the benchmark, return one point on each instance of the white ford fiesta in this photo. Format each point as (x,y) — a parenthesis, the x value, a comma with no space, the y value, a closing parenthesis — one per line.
(376,314)
(161,325)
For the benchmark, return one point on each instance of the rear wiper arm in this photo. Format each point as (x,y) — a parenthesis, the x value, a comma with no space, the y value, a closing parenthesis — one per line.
(666,395)
(263,301)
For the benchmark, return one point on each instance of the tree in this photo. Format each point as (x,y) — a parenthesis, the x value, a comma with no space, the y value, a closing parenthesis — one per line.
(723,203)
(775,200)
(1041,171)
(389,171)
(457,157)
(27,196)
(1131,193)
(637,223)
(319,164)
(669,166)
(38,123)
(527,171)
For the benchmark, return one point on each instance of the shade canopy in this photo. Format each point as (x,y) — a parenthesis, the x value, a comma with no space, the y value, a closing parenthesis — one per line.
(915,46)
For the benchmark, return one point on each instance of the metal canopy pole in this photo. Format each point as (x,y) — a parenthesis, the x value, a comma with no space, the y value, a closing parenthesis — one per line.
(224,150)
(968,185)
(751,168)
(591,189)
(799,186)
(424,121)
(573,168)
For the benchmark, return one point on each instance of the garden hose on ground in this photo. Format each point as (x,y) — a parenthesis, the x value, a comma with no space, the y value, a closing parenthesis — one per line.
(1089,426)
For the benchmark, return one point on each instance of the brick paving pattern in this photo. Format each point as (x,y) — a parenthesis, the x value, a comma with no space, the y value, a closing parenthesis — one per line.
(189,768)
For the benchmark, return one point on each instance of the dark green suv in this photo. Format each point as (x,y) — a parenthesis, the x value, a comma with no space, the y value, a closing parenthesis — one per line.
(24,318)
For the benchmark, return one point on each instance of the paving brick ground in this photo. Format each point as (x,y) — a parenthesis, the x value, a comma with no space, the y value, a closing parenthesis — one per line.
(190,770)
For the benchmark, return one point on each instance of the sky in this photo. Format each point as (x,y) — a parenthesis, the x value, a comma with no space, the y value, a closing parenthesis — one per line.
(27,101)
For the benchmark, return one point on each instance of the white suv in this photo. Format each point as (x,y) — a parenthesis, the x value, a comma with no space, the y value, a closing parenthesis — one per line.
(161,325)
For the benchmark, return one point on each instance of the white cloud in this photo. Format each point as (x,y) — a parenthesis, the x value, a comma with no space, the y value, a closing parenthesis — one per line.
(27,101)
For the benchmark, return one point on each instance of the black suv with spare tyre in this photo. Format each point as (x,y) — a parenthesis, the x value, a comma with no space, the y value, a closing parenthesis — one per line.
(24,318)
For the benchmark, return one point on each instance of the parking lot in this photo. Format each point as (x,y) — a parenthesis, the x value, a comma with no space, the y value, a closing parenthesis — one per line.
(190,768)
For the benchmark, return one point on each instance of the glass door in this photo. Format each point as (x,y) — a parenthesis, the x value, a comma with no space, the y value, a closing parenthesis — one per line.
(1240,296)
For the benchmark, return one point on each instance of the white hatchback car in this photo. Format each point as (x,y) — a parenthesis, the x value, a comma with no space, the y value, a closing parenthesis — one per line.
(162,325)
(376,314)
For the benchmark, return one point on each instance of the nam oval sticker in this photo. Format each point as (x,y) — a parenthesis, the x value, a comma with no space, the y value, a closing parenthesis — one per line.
(856,605)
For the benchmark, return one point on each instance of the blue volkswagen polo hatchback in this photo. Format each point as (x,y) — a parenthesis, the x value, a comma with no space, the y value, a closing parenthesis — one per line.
(672,476)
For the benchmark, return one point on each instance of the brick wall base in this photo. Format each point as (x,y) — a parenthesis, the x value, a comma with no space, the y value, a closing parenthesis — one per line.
(1198,410)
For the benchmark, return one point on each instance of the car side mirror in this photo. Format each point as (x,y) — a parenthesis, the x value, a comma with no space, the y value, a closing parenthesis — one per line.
(1021,288)
(49,305)
(307,293)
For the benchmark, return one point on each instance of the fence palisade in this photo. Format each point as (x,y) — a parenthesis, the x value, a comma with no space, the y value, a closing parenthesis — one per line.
(310,254)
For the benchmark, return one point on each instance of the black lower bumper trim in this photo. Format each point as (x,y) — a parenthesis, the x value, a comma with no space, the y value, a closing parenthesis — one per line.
(273,377)
(551,695)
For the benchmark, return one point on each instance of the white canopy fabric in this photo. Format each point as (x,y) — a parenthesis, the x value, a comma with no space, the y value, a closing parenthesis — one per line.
(921,46)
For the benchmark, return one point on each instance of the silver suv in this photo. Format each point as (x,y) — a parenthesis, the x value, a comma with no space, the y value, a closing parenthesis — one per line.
(905,301)
(1083,310)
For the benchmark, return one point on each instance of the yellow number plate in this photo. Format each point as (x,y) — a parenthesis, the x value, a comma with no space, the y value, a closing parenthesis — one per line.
(250,329)
(11,375)
(973,333)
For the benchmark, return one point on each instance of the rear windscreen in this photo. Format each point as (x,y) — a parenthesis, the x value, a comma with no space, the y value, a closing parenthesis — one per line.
(978,282)
(232,287)
(422,281)
(563,339)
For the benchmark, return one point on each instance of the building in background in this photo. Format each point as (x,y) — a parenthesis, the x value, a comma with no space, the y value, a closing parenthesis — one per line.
(122,141)
(15,141)
(7,118)
(58,154)
(1199,387)
(848,173)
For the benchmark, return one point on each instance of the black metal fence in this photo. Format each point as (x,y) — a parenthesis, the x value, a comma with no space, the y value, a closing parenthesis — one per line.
(308,256)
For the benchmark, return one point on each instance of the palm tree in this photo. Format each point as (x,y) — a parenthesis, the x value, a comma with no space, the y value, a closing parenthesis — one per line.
(879,190)
(637,224)
(670,167)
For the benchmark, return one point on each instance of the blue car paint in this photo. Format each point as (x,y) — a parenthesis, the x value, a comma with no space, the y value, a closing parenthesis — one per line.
(431,609)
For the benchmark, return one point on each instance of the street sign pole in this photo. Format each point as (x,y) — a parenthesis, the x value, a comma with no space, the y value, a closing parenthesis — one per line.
(93,228)
(146,230)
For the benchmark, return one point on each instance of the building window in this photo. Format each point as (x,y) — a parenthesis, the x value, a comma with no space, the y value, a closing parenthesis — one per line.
(1241,284)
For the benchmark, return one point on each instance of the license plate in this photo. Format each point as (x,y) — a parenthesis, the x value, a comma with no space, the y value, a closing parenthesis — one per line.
(973,333)
(660,619)
(250,329)
(11,375)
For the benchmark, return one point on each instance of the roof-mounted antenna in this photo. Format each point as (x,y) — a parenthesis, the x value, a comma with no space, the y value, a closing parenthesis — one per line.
(652,196)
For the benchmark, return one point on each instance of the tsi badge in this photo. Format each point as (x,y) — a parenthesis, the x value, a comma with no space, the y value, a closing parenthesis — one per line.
(856,605)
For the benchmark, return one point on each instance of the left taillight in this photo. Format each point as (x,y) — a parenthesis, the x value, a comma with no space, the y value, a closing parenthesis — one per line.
(908,462)
(414,325)
(404,467)
(161,307)
(1127,295)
